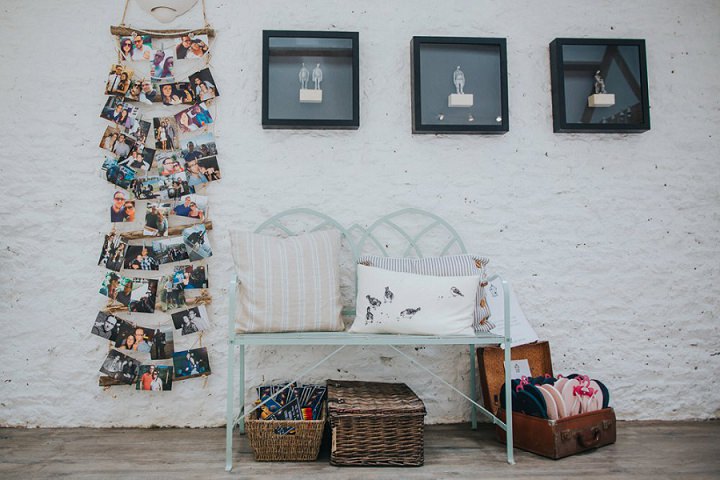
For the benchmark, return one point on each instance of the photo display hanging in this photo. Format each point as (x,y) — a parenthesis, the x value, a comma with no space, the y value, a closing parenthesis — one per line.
(159,155)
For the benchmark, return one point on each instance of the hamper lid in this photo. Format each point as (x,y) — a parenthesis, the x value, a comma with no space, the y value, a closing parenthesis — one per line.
(347,397)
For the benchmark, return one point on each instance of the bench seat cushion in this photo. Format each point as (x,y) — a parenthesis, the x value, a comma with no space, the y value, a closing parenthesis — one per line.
(288,284)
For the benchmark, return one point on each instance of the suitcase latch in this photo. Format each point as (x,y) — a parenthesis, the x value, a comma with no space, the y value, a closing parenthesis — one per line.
(606,424)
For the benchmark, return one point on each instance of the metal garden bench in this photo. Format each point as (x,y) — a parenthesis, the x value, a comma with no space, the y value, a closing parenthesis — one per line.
(408,232)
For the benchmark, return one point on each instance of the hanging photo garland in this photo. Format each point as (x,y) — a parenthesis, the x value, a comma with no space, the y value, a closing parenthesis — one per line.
(159,155)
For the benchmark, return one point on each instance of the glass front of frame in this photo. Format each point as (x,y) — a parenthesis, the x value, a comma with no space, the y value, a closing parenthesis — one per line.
(461,85)
(600,87)
(310,81)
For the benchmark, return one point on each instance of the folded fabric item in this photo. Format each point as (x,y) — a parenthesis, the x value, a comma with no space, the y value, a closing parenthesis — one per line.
(406,303)
(288,284)
(445,266)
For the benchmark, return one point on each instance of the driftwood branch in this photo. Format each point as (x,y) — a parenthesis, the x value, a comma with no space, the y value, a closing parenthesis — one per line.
(123,31)
(203,299)
(175,230)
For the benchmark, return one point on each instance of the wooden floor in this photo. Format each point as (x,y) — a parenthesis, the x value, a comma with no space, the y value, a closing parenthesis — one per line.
(643,450)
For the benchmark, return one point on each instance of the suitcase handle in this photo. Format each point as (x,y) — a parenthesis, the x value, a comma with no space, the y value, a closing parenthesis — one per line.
(589,439)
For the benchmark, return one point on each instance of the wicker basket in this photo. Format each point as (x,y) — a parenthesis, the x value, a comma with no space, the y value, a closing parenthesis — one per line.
(269,445)
(375,424)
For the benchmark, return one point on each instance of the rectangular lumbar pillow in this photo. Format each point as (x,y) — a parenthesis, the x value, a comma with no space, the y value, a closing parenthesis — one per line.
(449,265)
(288,284)
(406,303)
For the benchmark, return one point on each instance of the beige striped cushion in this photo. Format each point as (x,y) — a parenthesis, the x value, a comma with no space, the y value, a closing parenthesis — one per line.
(288,284)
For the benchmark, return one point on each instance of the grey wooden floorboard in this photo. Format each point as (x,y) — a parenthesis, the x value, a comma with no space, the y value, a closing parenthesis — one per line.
(643,450)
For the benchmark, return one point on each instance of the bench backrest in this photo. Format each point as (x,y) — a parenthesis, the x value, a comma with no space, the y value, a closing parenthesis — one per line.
(406,233)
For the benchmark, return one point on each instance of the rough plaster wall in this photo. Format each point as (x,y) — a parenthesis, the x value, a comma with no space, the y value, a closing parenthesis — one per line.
(611,240)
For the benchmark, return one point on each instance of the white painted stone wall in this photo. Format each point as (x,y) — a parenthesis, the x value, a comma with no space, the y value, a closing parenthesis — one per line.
(612,241)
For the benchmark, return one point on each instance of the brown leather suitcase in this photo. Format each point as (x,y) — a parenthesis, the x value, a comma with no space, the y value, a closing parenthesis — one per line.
(549,438)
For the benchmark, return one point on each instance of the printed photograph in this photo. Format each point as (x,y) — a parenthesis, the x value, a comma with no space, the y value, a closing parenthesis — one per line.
(198,146)
(191,47)
(140,158)
(110,137)
(170,250)
(117,287)
(136,48)
(156,219)
(120,113)
(140,131)
(166,133)
(192,206)
(191,363)
(176,185)
(162,66)
(133,93)
(163,345)
(138,339)
(120,367)
(177,94)
(204,170)
(154,378)
(140,257)
(106,326)
(118,81)
(123,145)
(169,163)
(122,209)
(149,92)
(193,118)
(120,175)
(112,253)
(194,276)
(172,292)
(197,242)
(204,85)
(147,188)
(192,320)
(143,295)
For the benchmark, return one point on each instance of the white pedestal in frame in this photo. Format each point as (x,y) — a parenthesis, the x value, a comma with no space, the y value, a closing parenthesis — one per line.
(310,95)
(601,100)
(460,100)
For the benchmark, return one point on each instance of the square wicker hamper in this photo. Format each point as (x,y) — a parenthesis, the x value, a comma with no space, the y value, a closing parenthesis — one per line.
(375,424)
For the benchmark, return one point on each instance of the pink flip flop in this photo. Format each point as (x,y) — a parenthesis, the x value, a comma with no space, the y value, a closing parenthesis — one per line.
(552,409)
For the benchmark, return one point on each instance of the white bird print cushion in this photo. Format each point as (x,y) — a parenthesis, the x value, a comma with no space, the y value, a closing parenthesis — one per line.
(406,303)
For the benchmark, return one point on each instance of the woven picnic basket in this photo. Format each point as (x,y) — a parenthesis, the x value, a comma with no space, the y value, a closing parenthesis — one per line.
(375,423)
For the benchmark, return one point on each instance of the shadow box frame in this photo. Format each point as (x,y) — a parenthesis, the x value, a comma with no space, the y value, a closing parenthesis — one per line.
(639,86)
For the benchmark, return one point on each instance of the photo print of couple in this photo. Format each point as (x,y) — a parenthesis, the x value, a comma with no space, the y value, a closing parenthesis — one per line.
(140,257)
(192,206)
(112,253)
(154,378)
(123,114)
(172,292)
(189,47)
(204,85)
(194,276)
(198,146)
(136,48)
(192,320)
(191,363)
(118,82)
(194,118)
(156,219)
(120,367)
(138,294)
(122,209)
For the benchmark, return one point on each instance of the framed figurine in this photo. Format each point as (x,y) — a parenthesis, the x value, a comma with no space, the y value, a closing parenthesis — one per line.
(599,85)
(459,85)
(310,80)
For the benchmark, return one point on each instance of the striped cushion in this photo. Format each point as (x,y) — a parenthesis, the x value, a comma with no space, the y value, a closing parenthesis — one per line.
(288,284)
(447,266)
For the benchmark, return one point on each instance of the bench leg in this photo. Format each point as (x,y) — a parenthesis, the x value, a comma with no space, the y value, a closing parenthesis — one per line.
(230,418)
(473,389)
(241,375)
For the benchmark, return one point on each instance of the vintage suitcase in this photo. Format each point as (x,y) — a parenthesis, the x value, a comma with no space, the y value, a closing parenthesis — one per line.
(549,438)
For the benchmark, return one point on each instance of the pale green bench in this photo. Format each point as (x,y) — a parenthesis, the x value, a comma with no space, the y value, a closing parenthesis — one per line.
(417,233)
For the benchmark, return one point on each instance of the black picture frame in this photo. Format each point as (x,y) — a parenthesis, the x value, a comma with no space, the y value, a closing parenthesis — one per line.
(279,110)
(622,64)
(431,57)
